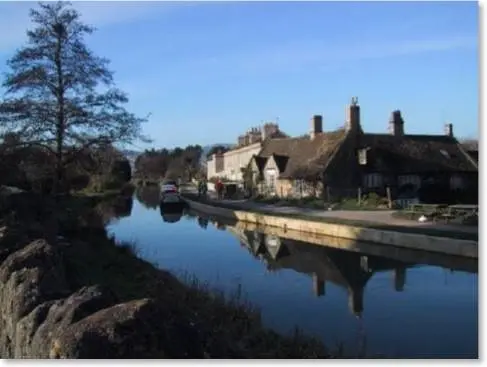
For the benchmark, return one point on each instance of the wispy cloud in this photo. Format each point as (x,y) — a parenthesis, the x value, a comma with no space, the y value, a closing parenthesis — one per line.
(317,53)
(14,16)
(279,59)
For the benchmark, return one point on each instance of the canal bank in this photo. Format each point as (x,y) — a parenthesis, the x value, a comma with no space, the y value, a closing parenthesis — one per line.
(88,296)
(417,306)
(440,240)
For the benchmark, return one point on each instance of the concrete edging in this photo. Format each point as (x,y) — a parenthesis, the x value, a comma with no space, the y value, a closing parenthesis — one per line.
(415,241)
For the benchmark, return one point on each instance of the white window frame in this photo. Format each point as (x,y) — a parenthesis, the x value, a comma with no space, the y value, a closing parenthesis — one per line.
(362,157)
(271,178)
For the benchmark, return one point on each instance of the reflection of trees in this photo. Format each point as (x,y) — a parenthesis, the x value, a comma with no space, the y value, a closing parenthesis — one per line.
(203,222)
(116,208)
(148,196)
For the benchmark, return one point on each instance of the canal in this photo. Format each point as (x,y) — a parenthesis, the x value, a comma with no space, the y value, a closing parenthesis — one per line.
(398,304)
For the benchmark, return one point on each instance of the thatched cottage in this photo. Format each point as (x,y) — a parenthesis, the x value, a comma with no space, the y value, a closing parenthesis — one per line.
(339,162)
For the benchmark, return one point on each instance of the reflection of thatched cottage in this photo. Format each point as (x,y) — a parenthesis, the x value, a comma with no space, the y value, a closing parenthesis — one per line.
(340,161)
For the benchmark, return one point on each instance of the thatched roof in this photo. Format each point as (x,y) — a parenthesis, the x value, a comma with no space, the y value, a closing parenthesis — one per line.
(415,154)
(302,157)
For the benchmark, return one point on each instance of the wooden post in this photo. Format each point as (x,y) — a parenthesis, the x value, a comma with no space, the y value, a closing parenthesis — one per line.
(328,195)
(389,198)
(359,196)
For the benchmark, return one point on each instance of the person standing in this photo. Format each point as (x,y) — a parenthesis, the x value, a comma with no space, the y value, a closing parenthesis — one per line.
(204,188)
(219,189)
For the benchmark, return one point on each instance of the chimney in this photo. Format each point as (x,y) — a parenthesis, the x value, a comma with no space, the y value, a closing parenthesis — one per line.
(241,140)
(269,129)
(254,135)
(316,126)
(396,124)
(449,130)
(352,122)
(248,137)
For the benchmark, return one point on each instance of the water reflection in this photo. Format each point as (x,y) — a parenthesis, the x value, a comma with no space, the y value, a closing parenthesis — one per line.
(115,208)
(148,196)
(385,300)
(172,216)
(345,263)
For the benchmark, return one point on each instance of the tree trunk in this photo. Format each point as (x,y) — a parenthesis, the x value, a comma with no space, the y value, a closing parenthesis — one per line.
(60,117)
(58,174)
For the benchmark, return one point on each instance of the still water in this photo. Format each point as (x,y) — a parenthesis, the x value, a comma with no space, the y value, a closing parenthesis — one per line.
(395,303)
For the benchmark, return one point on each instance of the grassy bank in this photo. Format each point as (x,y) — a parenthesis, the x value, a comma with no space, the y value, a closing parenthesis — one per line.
(223,327)
(303,216)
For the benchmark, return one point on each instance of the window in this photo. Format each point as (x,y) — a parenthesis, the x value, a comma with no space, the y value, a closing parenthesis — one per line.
(271,180)
(373,180)
(362,157)
(409,179)
(298,187)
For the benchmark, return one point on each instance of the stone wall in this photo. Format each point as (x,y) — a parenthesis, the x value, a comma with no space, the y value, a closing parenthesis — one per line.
(43,318)
(413,241)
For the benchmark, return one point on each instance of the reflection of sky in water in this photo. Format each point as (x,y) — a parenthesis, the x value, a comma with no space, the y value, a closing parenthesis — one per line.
(435,315)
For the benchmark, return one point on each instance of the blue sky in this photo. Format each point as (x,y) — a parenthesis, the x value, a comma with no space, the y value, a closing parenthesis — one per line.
(209,71)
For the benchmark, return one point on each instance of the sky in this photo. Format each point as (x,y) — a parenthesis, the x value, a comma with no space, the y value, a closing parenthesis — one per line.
(208,71)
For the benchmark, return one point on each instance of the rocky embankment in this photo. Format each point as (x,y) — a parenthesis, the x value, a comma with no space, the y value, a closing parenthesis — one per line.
(41,318)
(80,296)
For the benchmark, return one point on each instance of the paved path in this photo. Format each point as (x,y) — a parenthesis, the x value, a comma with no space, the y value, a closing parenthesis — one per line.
(379,216)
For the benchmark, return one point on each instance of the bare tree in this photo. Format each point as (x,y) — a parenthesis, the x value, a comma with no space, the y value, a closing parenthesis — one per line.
(59,95)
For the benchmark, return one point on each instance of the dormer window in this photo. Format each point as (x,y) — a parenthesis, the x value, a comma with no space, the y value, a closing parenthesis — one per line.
(445,153)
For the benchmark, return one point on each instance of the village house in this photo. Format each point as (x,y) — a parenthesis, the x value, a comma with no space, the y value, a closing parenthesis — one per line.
(337,163)
(229,164)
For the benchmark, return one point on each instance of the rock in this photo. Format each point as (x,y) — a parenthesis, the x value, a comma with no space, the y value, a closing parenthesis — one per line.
(50,319)
(28,278)
(40,318)
(136,329)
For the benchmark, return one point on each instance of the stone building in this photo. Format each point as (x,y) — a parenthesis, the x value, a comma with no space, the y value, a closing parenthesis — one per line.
(229,164)
(340,161)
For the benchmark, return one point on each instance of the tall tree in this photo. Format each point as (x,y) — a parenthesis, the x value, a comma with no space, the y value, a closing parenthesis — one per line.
(60,95)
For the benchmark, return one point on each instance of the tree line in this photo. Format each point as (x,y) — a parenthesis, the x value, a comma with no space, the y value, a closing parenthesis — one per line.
(177,163)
